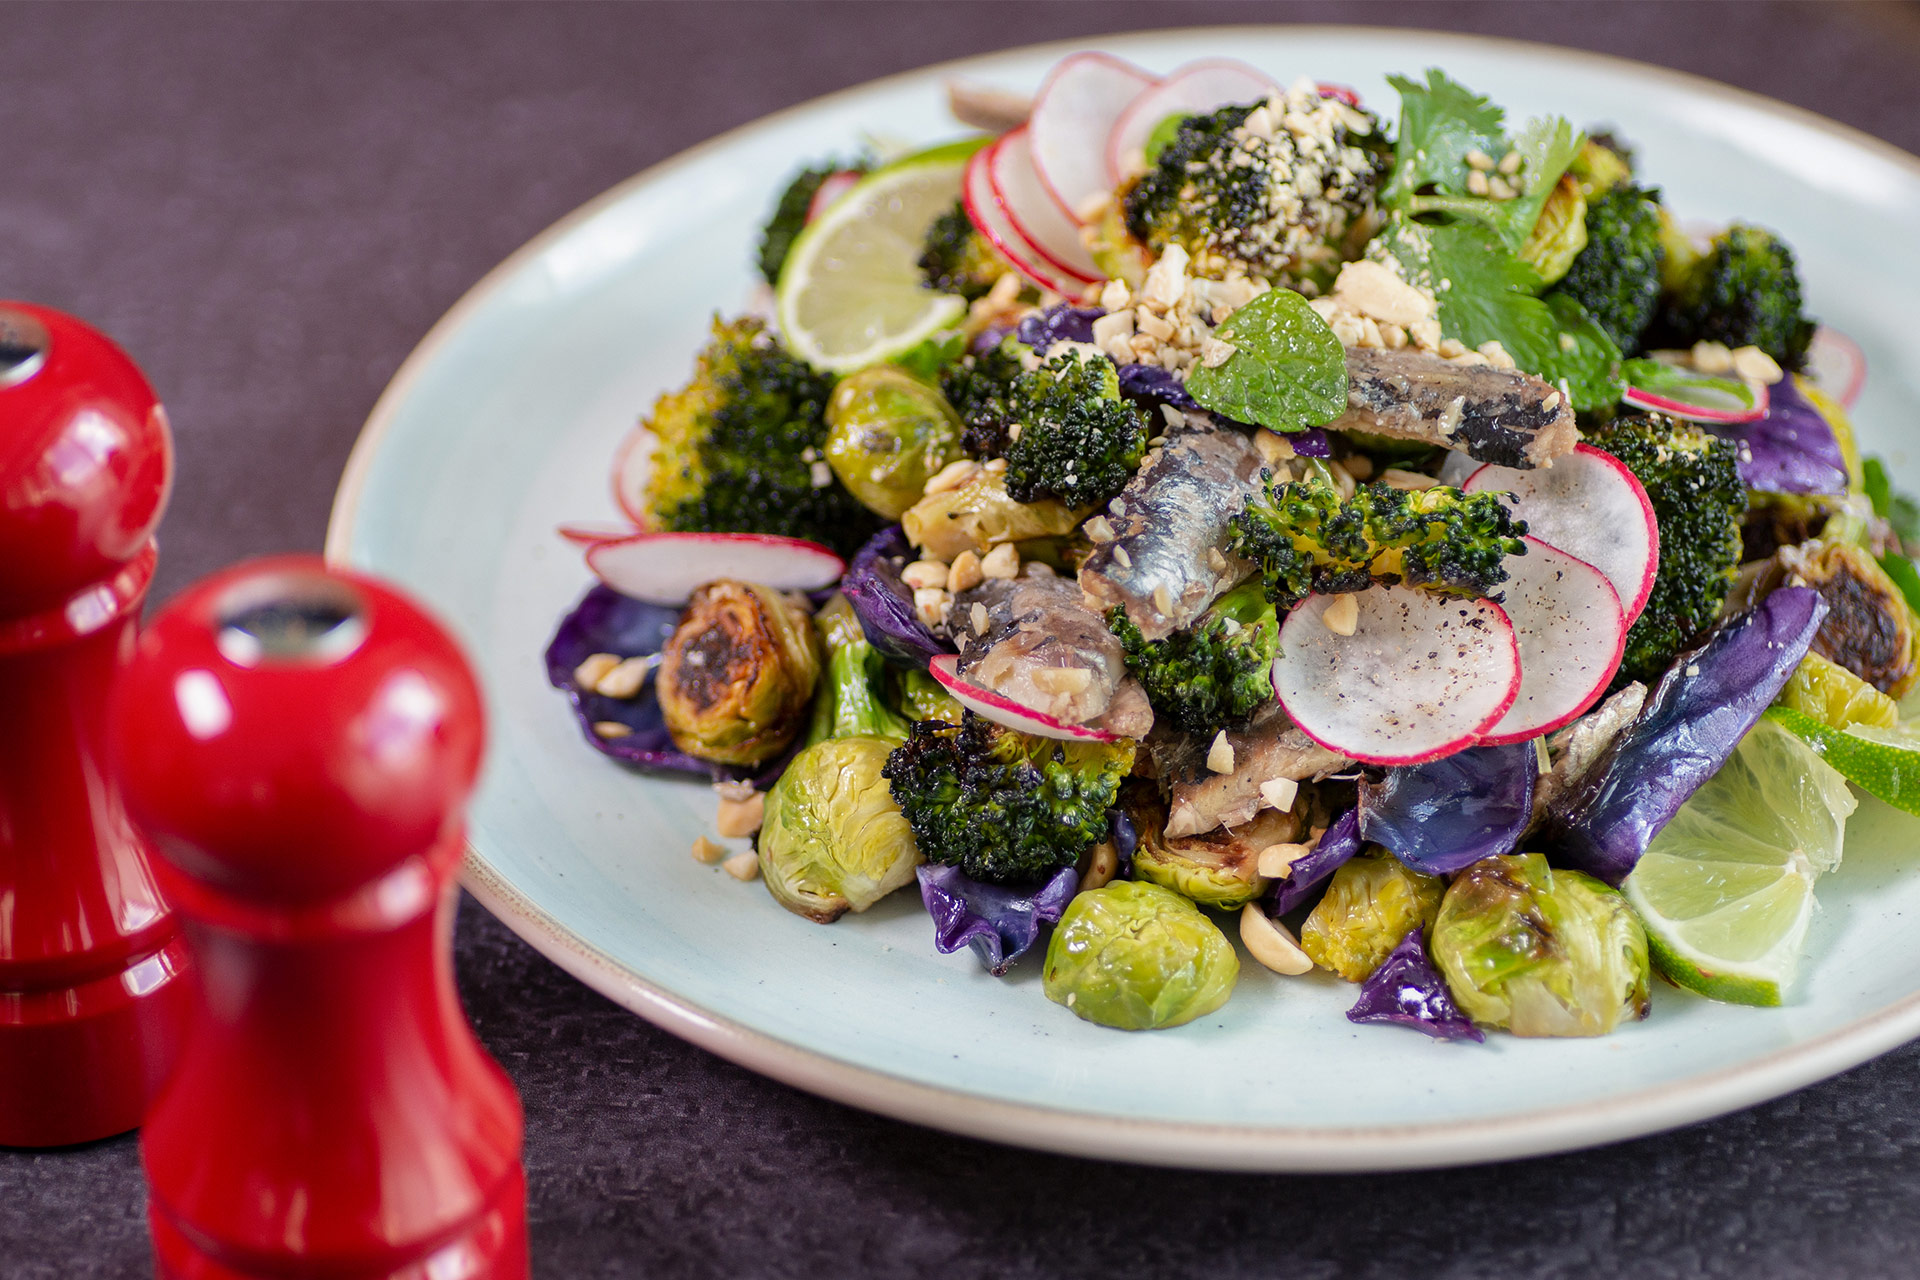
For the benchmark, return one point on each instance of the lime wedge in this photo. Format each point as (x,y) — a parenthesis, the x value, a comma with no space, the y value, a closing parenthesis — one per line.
(1726,889)
(850,293)
(1883,762)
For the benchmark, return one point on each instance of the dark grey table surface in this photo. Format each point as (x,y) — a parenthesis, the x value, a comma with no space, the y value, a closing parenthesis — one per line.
(270,205)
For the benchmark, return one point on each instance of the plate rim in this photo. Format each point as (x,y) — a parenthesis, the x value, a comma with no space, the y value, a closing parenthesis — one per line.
(1266,1148)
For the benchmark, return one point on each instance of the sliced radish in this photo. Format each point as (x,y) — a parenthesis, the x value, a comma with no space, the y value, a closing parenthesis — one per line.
(1003,710)
(831,188)
(586,534)
(666,568)
(1031,208)
(1836,365)
(1572,634)
(976,193)
(1073,116)
(1194,89)
(1340,91)
(632,465)
(1590,506)
(1698,397)
(1422,676)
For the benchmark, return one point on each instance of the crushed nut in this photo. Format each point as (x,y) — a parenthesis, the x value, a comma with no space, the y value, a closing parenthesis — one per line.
(735,790)
(1276,860)
(1272,447)
(1477,183)
(1712,357)
(627,678)
(1395,478)
(1342,617)
(1280,793)
(1358,465)
(1114,296)
(1121,556)
(1062,679)
(1510,163)
(593,668)
(977,615)
(1162,599)
(819,475)
(1269,942)
(996,466)
(1756,365)
(1099,865)
(1001,562)
(742,867)
(1499,189)
(1220,754)
(925,573)
(1098,529)
(741,817)
(1216,562)
(965,572)
(611,730)
(708,851)
(952,476)
(931,604)
(1478,159)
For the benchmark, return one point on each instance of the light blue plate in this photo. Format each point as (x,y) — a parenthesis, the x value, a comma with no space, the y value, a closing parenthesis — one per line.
(503,423)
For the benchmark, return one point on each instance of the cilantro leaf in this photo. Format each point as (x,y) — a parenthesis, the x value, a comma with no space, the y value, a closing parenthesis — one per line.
(1896,508)
(1486,294)
(1288,370)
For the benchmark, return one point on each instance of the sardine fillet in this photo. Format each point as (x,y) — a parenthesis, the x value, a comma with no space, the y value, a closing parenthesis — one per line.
(1491,415)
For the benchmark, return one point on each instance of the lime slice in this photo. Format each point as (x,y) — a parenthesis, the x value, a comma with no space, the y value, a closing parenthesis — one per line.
(1836,697)
(1883,762)
(1726,889)
(850,293)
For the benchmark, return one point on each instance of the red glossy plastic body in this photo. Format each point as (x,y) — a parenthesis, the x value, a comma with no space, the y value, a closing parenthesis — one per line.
(301,743)
(91,996)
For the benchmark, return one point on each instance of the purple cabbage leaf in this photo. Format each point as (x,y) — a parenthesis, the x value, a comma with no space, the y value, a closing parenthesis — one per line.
(998,922)
(1407,989)
(885,604)
(607,622)
(1695,717)
(1446,815)
(1338,844)
(1062,322)
(1793,449)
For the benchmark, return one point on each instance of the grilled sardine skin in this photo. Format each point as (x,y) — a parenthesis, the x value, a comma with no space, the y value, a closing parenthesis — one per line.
(1491,415)
(1175,511)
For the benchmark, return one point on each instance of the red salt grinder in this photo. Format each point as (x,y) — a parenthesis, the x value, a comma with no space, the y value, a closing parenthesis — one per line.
(300,742)
(92,996)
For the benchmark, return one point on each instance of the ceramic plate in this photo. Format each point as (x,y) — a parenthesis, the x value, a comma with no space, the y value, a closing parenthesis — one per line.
(502,425)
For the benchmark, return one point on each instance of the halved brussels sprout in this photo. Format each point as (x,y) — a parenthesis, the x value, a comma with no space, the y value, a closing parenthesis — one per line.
(833,840)
(1869,628)
(887,434)
(1137,957)
(1559,233)
(1540,952)
(736,677)
(1371,903)
(980,515)
(1218,868)
(921,697)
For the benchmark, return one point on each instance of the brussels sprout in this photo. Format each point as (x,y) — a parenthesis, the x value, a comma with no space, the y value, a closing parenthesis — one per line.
(887,434)
(833,840)
(1136,956)
(850,704)
(736,677)
(1218,868)
(1371,903)
(980,514)
(921,697)
(1540,952)
(1559,233)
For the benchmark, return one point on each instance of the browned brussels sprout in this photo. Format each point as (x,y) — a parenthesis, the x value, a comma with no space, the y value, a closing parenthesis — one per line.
(736,677)
(1869,628)
(888,433)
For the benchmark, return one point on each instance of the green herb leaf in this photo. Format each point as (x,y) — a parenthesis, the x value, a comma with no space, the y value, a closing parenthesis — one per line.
(1687,387)
(1896,508)
(1487,294)
(1288,372)
(925,359)
(1904,576)
(1163,135)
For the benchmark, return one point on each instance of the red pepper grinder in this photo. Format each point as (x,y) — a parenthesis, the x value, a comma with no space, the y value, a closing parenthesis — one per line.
(91,994)
(300,742)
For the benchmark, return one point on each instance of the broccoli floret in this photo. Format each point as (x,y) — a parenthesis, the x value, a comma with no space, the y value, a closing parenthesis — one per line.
(1692,478)
(980,389)
(790,214)
(1079,439)
(1259,199)
(1306,540)
(737,446)
(1616,278)
(956,258)
(1215,674)
(1743,292)
(1003,806)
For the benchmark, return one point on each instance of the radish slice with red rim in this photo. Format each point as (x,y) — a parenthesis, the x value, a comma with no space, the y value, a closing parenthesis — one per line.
(667,568)
(1591,507)
(1697,397)
(586,534)
(990,220)
(1002,710)
(1073,116)
(1031,209)
(1422,676)
(1194,89)
(632,465)
(831,188)
(1836,365)
(1572,633)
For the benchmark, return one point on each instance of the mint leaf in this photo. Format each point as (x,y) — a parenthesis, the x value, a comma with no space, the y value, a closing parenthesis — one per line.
(1288,372)
(1486,294)
(925,359)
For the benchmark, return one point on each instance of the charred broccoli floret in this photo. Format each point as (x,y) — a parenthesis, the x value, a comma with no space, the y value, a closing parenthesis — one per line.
(1254,195)
(1744,291)
(737,447)
(1079,440)
(956,258)
(980,389)
(1616,278)
(790,214)
(1214,674)
(1692,479)
(1004,806)
(1306,540)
